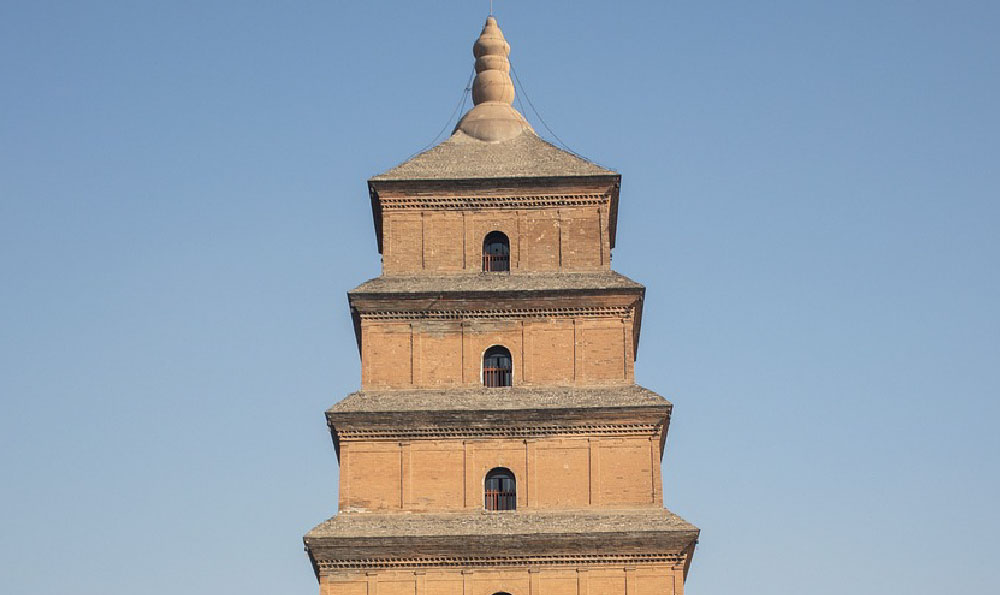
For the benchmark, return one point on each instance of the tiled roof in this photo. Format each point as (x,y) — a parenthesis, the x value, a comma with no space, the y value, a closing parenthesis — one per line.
(481,523)
(491,282)
(463,157)
(483,399)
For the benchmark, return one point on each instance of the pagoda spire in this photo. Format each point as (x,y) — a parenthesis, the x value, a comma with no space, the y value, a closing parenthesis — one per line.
(493,117)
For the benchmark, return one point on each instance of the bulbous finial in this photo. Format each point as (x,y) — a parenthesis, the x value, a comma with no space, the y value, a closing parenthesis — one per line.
(492,66)
(493,118)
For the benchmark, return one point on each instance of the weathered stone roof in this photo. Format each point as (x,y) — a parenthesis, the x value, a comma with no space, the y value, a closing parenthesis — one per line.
(489,399)
(486,523)
(359,539)
(464,157)
(492,282)
(515,412)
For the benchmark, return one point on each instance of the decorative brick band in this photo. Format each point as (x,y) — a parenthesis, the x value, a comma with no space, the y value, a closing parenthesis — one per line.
(497,561)
(599,312)
(496,432)
(496,202)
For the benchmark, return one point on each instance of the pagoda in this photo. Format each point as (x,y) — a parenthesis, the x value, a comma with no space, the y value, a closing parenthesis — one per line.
(499,443)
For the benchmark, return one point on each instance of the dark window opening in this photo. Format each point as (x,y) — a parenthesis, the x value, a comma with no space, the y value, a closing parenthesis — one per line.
(497,367)
(501,493)
(496,252)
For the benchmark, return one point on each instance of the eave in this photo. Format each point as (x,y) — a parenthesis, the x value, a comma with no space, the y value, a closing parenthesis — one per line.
(470,295)
(515,412)
(477,539)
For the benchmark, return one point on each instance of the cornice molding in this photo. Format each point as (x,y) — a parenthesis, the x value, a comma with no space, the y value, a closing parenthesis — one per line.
(326,566)
(596,312)
(525,431)
(524,201)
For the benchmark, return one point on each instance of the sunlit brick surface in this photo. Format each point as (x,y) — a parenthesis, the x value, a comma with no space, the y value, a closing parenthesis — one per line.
(424,444)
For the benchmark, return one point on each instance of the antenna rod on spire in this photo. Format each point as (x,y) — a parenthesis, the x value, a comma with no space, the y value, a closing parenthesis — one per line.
(491,7)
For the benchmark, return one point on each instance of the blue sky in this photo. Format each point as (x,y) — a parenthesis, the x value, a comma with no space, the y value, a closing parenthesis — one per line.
(810,195)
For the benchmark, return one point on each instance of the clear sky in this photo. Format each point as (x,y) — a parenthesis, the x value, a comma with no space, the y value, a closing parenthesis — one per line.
(810,195)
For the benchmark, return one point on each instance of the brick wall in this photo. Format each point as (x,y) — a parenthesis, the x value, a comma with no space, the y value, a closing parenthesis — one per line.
(568,239)
(580,580)
(545,351)
(550,473)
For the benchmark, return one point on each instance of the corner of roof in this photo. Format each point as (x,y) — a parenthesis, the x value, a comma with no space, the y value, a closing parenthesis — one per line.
(606,171)
(387,175)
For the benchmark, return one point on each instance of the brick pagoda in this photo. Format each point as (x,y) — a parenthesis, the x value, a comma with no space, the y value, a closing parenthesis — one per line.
(499,443)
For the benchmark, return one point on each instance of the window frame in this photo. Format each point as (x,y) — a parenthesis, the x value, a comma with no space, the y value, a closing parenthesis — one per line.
(500,499)
(496,376)
(496,262)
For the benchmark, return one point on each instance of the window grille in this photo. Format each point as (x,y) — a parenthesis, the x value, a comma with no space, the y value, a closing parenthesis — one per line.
(497,370)
(496,252)
(501,492)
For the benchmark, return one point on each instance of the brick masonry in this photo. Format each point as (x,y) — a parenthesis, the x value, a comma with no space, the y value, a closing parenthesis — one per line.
(583,580)
(546,351)
(553,474)
(541,239)
(583,443)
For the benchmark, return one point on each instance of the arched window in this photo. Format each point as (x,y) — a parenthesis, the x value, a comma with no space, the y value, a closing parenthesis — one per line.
(501,491)
(496,252)
(497,367)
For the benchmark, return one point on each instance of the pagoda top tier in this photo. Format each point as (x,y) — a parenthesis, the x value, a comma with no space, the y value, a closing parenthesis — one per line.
(492,140)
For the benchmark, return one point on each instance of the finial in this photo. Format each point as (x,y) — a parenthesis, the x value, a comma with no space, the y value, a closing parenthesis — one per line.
(493,118)
(492,66)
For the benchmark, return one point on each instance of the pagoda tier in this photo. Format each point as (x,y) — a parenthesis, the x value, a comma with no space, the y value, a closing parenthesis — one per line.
(570,448)
(561,328)
(499,444)
(588,499)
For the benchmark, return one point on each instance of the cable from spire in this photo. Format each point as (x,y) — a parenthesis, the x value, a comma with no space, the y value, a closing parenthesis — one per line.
(542,120)
(458,109)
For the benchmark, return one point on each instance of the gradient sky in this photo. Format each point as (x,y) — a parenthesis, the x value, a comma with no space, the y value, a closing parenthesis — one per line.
(810,195)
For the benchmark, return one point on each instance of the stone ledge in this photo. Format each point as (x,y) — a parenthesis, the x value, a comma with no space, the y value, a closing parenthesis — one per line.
(485,523)
(465,282)
(358,537)
(493,399)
